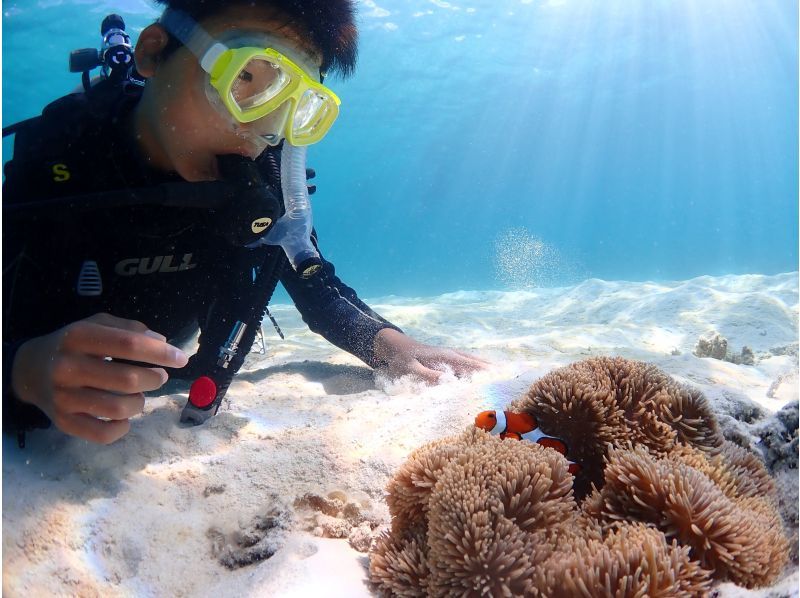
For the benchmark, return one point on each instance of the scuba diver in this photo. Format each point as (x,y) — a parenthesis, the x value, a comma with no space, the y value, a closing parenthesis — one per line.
(171,194)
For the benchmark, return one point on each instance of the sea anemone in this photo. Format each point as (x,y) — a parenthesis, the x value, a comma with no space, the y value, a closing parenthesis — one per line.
(409,489)
(605,401)
(738,537)
(667,504)
(398,562)
(631,560)
(490,511)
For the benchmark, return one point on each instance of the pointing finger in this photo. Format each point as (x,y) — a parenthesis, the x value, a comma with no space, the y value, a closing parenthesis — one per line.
(106,341)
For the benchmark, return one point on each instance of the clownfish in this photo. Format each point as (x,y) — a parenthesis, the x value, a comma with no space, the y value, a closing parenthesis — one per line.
(508,424)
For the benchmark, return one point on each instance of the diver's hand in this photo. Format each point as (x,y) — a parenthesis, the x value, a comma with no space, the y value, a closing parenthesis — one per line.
(66,375)
(403,355)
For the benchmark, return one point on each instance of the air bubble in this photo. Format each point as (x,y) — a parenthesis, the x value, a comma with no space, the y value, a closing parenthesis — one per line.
(525,261)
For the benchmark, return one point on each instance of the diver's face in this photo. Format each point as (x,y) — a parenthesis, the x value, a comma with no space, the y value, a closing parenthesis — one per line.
(188,128)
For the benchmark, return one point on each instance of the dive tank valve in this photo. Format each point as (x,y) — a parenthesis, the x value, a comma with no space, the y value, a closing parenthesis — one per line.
(115,56)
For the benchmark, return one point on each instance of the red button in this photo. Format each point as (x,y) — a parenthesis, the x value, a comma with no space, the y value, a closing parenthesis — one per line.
(203,392)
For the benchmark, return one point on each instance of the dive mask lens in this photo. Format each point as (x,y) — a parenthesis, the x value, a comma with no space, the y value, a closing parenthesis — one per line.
(313,116)
(310,110)
(257,82)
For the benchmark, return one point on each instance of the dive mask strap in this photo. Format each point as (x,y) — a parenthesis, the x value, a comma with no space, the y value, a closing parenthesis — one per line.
(193,36)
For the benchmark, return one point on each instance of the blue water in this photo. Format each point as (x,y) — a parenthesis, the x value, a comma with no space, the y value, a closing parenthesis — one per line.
(497,144)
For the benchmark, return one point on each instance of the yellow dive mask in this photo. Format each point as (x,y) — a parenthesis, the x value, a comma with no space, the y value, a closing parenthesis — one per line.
(254,81)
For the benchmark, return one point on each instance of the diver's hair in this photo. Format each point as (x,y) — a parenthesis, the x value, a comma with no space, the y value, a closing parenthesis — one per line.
(328,25)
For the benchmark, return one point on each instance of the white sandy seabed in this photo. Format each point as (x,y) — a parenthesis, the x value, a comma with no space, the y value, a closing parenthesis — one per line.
(158,512)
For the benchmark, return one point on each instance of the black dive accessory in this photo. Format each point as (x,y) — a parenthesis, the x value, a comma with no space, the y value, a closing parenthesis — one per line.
(115,56)
(208,390)
(254,288)
(257,206)
(243,208)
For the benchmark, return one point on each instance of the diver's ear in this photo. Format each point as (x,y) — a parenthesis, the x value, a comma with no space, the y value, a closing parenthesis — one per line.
(151,43)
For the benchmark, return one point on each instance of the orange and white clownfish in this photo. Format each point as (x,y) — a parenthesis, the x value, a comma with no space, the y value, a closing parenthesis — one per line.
(508,424)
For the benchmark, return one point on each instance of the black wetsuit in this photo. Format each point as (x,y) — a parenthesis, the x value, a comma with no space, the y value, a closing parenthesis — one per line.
(165,266)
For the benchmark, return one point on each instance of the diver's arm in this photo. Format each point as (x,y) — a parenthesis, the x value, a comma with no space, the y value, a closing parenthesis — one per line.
(332,309)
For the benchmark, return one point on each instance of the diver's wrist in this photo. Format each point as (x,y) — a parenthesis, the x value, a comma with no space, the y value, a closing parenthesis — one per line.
(388,342)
